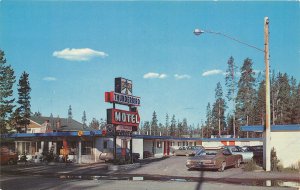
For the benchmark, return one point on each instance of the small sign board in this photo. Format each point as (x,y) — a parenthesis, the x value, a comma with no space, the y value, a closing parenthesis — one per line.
(124,128)
(124,99)
(123,86)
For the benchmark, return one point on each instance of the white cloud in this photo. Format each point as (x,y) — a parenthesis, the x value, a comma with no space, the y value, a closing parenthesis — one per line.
(49,78)
(83,54)
(179,77)
(154,75)
(212,72)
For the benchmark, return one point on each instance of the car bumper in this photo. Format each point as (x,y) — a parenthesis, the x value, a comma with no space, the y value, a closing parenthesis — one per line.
(201,166)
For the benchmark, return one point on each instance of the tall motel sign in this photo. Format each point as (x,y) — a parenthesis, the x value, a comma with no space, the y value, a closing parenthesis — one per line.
(121,123)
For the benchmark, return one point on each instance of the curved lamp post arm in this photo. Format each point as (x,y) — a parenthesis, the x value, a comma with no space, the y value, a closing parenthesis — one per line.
(198,32)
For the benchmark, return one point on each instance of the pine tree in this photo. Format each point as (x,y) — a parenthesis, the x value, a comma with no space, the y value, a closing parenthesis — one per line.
(218,112)
(179,129)
(284,110)
(245,95)
(208,128)
(24,101)
(167,125)
(84,119)
(231,83)
(154,125)
(160,129)
(146,127)
(70,115)
(7,80)
(274,97)
(185,127)
(297,106)
(293,100)
(173,126)
(37,114)
(95,124)
(260,105)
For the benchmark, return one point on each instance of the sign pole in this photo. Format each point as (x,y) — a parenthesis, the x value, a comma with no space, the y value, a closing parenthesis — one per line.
(115,138)
(267,145)
(131,157)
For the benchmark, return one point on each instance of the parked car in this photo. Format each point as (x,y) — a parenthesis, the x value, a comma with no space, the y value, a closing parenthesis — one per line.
(8,156)
(257,153)
(186,150)
(108,154)
(214,159)
(247,156)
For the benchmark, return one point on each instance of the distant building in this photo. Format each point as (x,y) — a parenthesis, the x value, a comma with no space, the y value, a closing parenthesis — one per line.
(40,124)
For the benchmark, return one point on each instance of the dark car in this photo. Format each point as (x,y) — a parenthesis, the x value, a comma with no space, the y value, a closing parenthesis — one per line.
(214,159)
(8,156)
(108,155)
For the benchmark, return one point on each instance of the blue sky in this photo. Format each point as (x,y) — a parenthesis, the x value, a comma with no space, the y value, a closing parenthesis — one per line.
(74,50)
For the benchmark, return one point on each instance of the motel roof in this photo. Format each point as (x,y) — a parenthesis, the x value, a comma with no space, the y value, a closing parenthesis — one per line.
(274,128)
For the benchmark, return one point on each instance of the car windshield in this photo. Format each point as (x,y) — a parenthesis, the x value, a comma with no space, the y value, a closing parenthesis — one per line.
(204,152)
(236,149)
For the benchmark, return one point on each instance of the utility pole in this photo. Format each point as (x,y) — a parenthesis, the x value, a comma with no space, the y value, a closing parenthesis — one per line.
(267,142)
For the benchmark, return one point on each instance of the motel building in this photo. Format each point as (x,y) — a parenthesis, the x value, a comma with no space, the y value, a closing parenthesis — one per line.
(85,145)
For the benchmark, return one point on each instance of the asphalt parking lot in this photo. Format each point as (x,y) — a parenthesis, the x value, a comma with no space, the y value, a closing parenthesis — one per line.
(165,171)
(175,166)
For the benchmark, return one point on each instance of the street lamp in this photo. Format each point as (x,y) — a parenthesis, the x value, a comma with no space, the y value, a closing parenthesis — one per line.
(267,146)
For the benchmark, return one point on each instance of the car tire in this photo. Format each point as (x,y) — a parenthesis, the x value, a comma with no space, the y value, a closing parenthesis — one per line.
(238,163)
(222,168)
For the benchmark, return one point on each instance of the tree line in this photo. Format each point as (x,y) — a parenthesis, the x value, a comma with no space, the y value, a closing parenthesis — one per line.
(243,103)
(12,114)
(245,91)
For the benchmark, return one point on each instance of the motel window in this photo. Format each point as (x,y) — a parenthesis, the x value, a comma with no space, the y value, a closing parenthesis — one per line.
(87,147)
(183,143)
(105,144)
(178,144)
(158,144)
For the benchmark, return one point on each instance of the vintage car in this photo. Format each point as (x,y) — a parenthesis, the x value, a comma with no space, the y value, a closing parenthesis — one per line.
(257,153)
(8,156)
(186,150)
(247,156)
(214,159)
(108,155)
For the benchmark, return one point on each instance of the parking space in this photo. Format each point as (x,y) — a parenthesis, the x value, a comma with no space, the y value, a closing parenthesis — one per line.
(175,166)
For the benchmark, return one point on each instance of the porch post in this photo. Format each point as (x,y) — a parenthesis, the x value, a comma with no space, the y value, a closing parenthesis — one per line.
(79,151)
(16,146)
(42,146)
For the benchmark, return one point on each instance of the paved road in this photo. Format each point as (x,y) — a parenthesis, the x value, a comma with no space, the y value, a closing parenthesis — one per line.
(169,173)
(44,183)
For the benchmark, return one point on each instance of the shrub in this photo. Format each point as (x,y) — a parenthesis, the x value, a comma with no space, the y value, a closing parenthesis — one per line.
(23,157)
(251,166)
(274,161)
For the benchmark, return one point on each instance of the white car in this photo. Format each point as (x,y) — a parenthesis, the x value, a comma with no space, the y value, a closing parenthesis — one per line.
(247,156)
